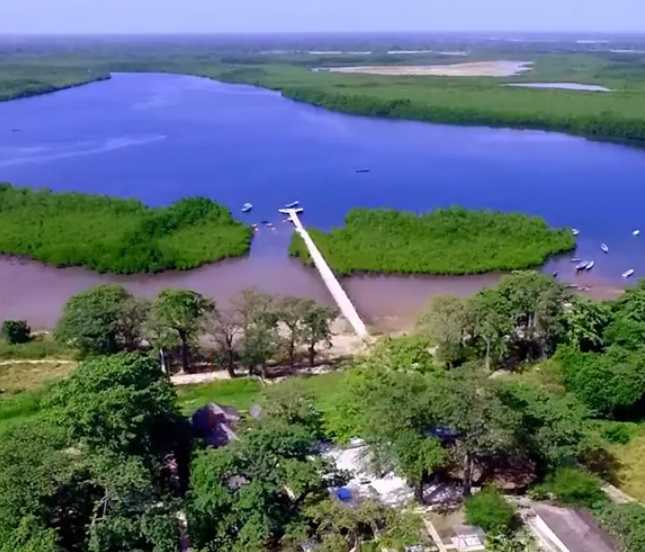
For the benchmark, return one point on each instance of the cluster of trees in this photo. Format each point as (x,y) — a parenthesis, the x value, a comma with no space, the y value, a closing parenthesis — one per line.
(117,235)
(109,465)
(253,330)
(445,241)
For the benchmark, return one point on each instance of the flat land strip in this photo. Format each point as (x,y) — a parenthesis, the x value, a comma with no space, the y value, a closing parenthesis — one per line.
(474,69)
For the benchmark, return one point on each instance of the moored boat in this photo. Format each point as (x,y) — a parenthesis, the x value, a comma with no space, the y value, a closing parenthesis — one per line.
(292,205)
(575,231)
(361,171)
(636,232)
(582,265)
(576,260)
(627,273)
(589,265)
(247,207)
(604,247)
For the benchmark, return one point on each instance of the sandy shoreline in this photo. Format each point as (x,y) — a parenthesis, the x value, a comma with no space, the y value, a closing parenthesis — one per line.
(471,69)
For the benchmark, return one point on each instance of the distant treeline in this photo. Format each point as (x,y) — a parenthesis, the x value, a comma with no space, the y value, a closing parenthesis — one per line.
(601,126)
(117,235)
(446,241)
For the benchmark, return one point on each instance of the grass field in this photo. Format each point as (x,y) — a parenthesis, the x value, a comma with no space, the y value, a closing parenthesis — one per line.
(242,393)
(631,460)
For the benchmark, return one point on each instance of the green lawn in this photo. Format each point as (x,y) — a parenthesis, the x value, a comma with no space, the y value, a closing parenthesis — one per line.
(631,471)
(242,393)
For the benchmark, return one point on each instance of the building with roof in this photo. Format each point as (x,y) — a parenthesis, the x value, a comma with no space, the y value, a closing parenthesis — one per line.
(569,529)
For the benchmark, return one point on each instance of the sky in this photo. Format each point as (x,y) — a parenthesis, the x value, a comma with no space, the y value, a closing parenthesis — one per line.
(214,16)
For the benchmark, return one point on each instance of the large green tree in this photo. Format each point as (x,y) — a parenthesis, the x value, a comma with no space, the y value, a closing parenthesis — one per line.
(178,316)
(104,319)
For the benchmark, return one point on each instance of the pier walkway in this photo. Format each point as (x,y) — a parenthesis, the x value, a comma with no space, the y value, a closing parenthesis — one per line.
(337,292)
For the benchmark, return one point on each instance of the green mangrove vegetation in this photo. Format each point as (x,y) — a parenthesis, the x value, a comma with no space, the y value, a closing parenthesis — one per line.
(117,235)
(445,241)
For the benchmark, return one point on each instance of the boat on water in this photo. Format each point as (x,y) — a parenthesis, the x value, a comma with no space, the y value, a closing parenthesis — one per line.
(247,207)
(589,265)
(636,232)
(604,247)
(628,273)
(292,205)
(361,171)
(576,260)
(582,265)
(575,231)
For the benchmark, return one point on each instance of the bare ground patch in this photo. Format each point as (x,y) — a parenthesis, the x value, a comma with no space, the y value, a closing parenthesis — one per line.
(472,69)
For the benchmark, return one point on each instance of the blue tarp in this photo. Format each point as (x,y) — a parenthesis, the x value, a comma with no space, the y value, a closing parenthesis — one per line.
(344,494)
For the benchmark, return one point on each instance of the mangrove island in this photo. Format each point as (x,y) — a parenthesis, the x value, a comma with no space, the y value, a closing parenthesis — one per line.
(446,241)
(121,236)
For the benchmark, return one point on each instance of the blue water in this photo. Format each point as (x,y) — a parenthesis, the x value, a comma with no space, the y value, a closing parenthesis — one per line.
(162,137)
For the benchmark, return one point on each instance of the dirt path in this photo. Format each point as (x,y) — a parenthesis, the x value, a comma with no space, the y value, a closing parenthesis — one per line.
(36,361)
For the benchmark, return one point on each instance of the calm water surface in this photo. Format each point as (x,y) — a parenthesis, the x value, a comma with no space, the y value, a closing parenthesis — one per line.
(162,137)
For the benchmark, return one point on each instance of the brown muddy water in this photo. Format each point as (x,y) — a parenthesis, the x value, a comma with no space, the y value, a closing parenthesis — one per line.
(37,293)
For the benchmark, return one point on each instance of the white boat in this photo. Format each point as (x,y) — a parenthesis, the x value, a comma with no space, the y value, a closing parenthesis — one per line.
(576,260)
(247,207)
(575,231)
(628,273)
(582,265)
(604,247)
(589,265)
(292,205)
(636,232)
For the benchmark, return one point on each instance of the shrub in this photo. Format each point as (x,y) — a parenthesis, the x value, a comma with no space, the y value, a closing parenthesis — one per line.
(489,510)
(16,331)
(574,487)
(619,433)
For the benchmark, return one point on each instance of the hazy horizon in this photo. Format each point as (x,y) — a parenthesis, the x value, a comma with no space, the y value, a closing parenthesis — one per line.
(133,17)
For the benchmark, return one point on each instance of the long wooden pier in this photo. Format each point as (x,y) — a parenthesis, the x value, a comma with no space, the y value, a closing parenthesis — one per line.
(333,285)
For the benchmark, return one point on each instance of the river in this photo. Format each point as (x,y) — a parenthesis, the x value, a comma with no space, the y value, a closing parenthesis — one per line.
(162,137)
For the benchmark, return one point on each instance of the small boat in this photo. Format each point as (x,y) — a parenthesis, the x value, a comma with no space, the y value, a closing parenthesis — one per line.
(628,273)
(15,130)
(269,225)
(636,232)
(264,222)
(361,171)
(604,247)
(292,205)
(582,265)
(555,274)
(247,207)
(589,265)
(575,231)
(576,260)
(254,225)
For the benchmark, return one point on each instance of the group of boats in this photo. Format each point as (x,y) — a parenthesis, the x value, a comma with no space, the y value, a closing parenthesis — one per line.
(256,226)
(588,265)
(247,207)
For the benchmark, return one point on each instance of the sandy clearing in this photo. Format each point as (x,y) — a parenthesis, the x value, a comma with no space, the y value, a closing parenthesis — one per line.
(472,69)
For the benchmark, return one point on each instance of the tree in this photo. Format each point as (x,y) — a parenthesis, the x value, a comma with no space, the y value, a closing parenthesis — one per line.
(467,402)
(251,494)
(446,320)
(16,331)
(586,322)
(316,327)
(104,319)
(225,326)
(553,429)
(536,303)
(122,404)
(489,510)
(259,344)
(292,312)
(179,315)
(493,324)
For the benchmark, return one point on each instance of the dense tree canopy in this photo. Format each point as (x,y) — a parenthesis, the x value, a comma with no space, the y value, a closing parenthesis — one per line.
(116,235)
(446,241)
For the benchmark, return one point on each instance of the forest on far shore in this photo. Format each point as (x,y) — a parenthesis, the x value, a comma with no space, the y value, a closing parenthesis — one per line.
(445,241)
